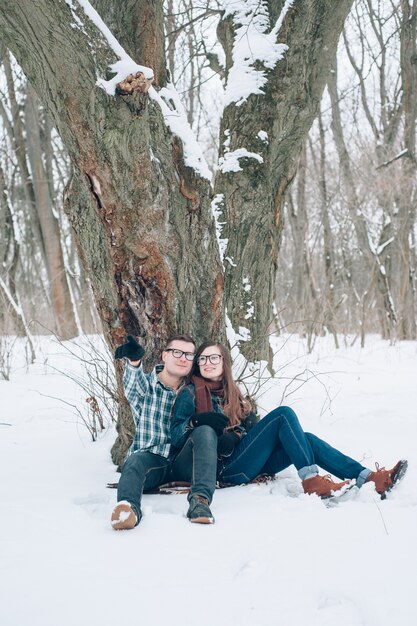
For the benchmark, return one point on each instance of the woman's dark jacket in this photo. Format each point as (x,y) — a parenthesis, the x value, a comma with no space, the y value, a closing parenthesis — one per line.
(184,409)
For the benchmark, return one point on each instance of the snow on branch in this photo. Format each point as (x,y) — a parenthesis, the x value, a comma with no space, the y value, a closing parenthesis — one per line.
(254,43)
(130,77)
(176,120)
(382,246)
(400,155)
(125,65)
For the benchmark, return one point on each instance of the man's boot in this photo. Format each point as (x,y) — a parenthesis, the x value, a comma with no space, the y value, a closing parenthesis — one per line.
(199,510)
(123,516)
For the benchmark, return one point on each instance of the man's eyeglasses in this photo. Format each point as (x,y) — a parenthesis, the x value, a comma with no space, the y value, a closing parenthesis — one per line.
(213,358)
(177,354)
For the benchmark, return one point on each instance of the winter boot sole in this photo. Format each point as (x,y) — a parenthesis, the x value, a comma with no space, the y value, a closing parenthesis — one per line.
(396,477)
(202,520)
(123,517)
(339,493)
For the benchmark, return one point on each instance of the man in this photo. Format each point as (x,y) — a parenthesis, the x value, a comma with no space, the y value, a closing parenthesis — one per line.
(151,397)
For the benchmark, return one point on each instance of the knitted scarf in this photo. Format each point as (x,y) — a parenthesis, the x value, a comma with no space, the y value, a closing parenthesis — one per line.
(203,390)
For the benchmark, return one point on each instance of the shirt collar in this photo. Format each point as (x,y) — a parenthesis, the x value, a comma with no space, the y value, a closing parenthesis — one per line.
(157,370)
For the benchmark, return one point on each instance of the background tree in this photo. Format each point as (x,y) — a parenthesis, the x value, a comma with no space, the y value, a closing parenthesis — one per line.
(42,276)
(367,232)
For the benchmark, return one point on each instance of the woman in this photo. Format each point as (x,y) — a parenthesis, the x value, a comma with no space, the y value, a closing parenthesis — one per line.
(210,440)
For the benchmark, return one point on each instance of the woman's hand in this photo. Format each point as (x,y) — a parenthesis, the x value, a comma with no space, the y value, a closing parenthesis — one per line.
(217,421)
(226,443)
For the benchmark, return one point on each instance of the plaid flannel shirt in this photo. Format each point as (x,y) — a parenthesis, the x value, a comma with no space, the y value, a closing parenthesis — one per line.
(151,402)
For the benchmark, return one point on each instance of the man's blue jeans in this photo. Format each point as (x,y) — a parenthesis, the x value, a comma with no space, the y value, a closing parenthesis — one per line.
(278,441)
(196,462)
(142,470)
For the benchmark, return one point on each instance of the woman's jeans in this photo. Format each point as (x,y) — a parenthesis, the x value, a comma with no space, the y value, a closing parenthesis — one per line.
(278,441)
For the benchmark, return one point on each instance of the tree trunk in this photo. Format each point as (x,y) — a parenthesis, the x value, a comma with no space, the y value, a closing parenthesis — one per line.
(9,255)
(62,305)
(407,213)
(371,259)
(17,140)
(329,305)
(271,126)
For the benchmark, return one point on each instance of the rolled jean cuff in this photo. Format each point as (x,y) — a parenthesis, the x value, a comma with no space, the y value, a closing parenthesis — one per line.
(361,479)
(308,471)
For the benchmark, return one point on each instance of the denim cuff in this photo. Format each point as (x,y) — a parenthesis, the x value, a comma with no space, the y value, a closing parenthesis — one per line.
(308,471)
(361,479)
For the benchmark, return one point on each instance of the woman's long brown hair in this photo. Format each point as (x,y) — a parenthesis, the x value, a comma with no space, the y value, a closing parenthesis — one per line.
(235,406)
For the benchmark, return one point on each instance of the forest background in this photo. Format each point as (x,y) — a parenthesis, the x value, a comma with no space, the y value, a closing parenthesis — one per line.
(315,235)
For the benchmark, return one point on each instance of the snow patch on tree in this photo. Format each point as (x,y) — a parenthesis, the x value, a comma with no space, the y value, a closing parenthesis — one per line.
(246,284)
(176,120)
(229,162)
(250,311)
(247,287)
(234,338)
(217,210)
(263,136)
(255,44)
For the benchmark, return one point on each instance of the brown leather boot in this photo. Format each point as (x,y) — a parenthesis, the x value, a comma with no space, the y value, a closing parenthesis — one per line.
(123,516)
(385,479)
(322,486)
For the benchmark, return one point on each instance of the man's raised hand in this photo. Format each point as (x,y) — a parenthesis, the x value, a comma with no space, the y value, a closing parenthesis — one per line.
(132,350)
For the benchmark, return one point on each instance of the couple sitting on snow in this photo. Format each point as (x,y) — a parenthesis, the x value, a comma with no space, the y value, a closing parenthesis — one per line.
(193,424)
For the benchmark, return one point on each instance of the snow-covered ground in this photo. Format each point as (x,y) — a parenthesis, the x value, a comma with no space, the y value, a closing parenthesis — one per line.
(274,555)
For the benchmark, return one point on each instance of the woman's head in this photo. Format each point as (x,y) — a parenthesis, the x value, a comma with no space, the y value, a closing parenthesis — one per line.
(213,362)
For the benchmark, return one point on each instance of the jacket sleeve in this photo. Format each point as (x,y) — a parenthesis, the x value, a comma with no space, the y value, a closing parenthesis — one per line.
(135,384)
(184,408)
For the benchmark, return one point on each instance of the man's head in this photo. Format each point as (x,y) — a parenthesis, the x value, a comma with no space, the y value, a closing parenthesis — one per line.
(178,356)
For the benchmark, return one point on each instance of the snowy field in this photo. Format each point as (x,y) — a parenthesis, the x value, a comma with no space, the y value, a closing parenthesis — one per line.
(274,555)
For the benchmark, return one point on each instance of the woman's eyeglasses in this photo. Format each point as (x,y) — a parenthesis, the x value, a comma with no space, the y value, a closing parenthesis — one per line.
(213,358)
(177,354)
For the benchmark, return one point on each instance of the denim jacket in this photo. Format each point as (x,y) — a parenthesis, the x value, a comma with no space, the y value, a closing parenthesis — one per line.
(184,409)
